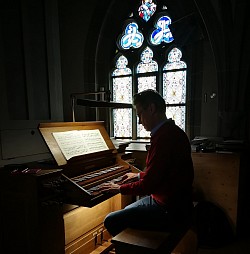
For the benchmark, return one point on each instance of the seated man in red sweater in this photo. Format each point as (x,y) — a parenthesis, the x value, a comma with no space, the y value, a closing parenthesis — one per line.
(165,184)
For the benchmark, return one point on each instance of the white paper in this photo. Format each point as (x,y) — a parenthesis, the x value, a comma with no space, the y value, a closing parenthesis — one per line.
(80,142)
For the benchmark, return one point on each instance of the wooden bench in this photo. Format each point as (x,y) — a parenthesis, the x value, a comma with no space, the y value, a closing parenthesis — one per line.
(135,241)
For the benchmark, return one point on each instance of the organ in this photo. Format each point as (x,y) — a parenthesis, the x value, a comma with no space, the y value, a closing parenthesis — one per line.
(82,174)
(62,203)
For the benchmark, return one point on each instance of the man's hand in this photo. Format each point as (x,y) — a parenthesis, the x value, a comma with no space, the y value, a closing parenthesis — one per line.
(109,188)
(129,177)
(114,187)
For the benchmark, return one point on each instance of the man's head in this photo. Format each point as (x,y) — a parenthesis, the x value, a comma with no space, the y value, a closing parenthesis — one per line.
(150,108)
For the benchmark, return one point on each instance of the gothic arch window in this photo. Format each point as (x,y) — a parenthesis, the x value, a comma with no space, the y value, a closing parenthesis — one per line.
(122,92)
(174,87)
(147,57)
(149,67)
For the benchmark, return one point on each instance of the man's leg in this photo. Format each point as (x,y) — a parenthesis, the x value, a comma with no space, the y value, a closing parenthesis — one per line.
(142,214)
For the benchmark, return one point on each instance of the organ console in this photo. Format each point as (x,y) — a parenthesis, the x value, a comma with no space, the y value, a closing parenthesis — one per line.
(67,208)
(83,173)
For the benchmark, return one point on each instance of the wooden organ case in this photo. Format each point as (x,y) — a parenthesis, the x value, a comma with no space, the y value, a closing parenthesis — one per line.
(68,211)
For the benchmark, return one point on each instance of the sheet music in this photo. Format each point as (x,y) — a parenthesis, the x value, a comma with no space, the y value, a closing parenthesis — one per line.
(79,142)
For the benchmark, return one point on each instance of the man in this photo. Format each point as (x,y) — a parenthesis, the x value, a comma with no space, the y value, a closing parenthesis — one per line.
(166,184)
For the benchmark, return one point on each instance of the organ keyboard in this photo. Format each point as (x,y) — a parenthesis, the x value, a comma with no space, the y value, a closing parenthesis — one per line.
(91,182)
(86,186)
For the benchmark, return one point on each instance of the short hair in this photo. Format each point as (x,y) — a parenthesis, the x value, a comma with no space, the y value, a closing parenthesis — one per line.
(146,97)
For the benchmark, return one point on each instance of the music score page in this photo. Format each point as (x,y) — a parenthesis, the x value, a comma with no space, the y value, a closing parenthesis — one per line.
(80,142)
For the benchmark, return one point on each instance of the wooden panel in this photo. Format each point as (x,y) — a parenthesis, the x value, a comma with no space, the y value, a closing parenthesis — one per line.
(29,140)
(82,224)
(21,142)
(93,240)
(83,219)
(217,179)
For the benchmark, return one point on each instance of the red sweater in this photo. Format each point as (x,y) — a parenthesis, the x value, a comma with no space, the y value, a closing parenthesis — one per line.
(169,172)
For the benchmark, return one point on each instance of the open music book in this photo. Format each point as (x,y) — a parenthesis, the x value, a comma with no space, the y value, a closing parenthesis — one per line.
(80,142)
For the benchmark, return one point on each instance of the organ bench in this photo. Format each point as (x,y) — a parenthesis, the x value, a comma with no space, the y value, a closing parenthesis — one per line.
(135,241)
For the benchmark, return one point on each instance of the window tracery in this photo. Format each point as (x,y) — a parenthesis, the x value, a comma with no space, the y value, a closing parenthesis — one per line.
(147,9)
(168,75)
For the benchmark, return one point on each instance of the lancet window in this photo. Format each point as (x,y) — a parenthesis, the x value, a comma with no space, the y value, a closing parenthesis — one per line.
(147,58)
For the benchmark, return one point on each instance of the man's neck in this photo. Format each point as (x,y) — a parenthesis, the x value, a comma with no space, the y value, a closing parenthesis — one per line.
(159,123)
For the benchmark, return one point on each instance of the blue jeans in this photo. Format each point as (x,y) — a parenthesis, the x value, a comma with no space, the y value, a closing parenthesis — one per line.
(143,214)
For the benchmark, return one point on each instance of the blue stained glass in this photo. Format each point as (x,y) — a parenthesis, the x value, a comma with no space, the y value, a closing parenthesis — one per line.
(131,38)
(121,67)
(147,63)
(145,75)
(147,9)
(174,60)
(162,32)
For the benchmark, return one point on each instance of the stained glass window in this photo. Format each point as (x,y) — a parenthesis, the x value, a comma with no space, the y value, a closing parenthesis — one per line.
(122,92)
(146,65)
(174,87)
(145,44)
(162,32)
(147,9)
(131,37)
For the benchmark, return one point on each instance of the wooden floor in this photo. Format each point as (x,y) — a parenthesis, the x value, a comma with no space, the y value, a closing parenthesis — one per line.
(239,246)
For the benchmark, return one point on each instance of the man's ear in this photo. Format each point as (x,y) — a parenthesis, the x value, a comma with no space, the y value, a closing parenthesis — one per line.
(152,108)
